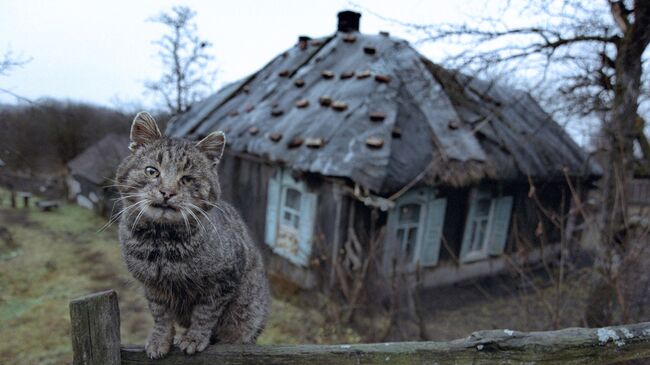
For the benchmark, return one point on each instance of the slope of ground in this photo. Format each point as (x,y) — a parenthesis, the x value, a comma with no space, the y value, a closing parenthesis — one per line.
(61,255)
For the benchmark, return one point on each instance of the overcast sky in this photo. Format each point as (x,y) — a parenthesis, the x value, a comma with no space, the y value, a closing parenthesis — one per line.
(102,51)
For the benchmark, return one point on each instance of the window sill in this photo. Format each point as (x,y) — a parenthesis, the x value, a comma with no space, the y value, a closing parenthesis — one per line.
(413,267)
(474,256)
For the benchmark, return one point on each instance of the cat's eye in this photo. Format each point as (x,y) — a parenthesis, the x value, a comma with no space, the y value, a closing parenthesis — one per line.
(186,179)
(151,171)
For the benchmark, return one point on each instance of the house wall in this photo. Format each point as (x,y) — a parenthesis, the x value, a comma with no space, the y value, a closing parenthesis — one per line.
(244,183)
(447,272)
(83,192)
(522,237)
(524,220)
(91,196)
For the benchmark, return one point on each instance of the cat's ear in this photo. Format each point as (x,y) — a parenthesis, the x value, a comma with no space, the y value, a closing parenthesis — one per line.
(213,145)
(143,130)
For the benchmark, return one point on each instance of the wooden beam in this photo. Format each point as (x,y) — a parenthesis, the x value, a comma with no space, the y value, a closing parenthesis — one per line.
(567,346)
(96,340)
(338,199)
(95,329)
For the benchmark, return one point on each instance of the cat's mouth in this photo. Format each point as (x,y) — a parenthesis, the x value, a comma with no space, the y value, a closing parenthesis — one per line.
(164,206)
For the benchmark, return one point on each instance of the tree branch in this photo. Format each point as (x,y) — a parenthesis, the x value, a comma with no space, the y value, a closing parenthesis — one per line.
(185,58)
(620,13)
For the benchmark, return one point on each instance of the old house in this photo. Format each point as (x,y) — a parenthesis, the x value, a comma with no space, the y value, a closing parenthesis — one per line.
(91,173)
(355,145)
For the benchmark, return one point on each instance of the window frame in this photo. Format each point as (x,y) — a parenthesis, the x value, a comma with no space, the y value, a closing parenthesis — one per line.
(284,208)
(278,185)
(433,209)
(419,226)
(467,253)
(479,254)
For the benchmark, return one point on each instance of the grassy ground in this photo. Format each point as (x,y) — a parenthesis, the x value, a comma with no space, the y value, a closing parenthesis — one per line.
(60,256)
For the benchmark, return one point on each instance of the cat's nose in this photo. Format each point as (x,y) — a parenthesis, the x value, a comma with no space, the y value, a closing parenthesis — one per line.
(166,194)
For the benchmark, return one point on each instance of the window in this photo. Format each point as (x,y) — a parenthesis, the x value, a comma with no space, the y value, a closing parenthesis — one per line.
(291,208)
(415,228)
(407,228)
(479,226)
(486,227)
(290,212)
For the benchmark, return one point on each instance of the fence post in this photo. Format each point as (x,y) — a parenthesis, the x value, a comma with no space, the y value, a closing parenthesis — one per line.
(95,321)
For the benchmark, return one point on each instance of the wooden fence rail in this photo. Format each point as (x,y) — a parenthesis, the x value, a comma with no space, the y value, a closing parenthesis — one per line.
(96,341)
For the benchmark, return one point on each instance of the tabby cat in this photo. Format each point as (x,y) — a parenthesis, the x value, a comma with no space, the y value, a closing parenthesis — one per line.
(190,250)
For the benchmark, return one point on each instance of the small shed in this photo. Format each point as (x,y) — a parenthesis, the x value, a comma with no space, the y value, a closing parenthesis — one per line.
(91,173)
(355,145)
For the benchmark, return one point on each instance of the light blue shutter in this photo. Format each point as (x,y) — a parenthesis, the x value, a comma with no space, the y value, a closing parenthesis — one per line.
(464,249)
(430,247)
(306,229)
(272,208)
(500,224)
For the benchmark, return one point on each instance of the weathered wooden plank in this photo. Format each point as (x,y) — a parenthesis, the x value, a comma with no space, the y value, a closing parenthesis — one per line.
(567,346)
(95,322)
(96,340)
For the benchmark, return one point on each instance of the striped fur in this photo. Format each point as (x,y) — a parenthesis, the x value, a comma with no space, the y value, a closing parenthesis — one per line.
(192,252)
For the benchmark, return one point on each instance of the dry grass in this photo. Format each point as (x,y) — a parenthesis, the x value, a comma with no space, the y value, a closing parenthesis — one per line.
(519,309)
(61,255)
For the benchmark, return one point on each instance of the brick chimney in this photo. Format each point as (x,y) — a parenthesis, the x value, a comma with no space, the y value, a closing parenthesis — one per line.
(348,21)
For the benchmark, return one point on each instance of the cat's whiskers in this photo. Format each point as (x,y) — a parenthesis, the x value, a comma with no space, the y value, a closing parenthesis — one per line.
(115,182)
(119,214)
(212,205)
(142,209)
(198,209)
(126,188)
(115,201)
(216,207)
(119,186)
(207,218)
(198,221)
(139,204)
(187,225)
(124,197)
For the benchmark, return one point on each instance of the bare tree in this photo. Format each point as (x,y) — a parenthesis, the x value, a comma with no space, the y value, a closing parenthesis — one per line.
(581,58)
(188,74)
(9,62)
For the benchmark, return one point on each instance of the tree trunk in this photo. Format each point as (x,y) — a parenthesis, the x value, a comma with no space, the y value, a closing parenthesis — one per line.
(619,163)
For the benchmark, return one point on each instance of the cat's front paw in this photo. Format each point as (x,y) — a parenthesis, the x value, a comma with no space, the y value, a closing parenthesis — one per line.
(193,341)
(157,346)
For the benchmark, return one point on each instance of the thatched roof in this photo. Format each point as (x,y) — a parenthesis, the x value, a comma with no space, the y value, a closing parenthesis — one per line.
(372,109)
(98,162)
